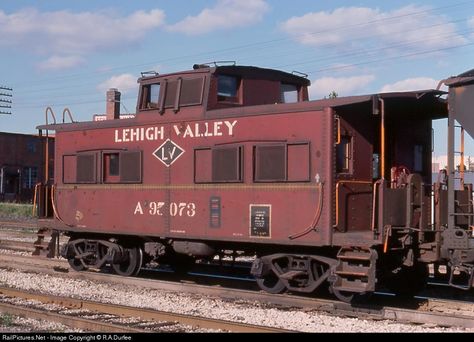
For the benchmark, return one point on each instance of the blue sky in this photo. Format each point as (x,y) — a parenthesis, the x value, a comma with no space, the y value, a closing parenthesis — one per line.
(67,53)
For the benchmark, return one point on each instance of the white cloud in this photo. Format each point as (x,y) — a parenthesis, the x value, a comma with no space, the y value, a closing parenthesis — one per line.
(225,14)
(343,86)
(60,62)
(323,27)
(69,32)
(124,83)
(470,23)
(366,27)
(409,84)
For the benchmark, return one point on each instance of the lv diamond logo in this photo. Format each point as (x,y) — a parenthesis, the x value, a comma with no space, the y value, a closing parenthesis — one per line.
(168,152)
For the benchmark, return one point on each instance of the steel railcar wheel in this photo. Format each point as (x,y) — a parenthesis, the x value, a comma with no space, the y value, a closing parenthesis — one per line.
(76,265)
(271,283)
(132,264)
(343,296)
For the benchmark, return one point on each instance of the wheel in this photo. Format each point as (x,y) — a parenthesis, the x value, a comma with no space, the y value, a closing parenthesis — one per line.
(271,283)
(343,296)
(76,265)
(132,264)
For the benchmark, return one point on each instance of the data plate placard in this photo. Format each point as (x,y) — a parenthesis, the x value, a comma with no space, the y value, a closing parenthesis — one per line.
(260,220)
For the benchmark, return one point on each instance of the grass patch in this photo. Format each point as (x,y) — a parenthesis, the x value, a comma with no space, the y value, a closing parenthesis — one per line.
(15,210)
(7,320)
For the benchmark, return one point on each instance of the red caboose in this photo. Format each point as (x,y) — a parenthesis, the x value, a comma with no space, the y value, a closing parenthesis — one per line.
(236,158)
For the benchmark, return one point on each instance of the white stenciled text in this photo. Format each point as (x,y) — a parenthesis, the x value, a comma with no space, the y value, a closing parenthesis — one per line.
(183,130)
(172,209)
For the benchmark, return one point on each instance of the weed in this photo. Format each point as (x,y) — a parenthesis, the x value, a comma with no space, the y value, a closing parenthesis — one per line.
(6,319)
(15,211)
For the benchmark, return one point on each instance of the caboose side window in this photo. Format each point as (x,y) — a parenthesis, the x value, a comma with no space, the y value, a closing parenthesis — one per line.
(270,163)
(227,88)
(218,165)
(289,93)
(122,167)
(86,168)
(282,162)
(171,93)
(150,96)
(343,154)
(226,164)
(111,163)
(191,91)
(130,167)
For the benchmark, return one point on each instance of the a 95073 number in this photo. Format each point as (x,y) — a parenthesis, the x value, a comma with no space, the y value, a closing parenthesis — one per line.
(161,208)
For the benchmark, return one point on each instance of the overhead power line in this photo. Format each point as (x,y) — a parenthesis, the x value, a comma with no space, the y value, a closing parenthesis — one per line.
(251,46)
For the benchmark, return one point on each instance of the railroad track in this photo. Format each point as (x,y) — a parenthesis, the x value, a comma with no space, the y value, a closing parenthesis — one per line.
(67,320)
(21,246)
(388,312)
(431,311)
(145,316)
(9,224)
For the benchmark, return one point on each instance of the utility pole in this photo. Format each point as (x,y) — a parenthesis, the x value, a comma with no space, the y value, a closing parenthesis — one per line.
(6,95)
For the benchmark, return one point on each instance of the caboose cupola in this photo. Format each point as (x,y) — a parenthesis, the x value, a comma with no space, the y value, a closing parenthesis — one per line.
(205,88)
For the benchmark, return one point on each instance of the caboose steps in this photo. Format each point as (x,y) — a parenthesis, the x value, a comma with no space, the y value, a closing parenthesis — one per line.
(47,243)
(355,272)
(354,256)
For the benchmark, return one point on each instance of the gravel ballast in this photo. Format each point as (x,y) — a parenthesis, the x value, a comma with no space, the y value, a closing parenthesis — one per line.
(251,313)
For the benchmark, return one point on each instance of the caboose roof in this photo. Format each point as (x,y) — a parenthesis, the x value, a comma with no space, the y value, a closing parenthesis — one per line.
(465,78)
(426,104)
(247,72)
(251,72)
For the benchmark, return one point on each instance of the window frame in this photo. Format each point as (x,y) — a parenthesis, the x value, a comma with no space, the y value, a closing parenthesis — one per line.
(235,99)
(201,94)
(175,100)
(146,96)
(286,146)
(348,167)
(210,177)
(282,92)
(95,179)
(105,167)
(140,167)
(239,167)
(29,177)
(100,167)
(257,164)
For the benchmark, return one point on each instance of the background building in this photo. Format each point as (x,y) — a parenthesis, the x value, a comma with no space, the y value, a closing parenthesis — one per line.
(22,159)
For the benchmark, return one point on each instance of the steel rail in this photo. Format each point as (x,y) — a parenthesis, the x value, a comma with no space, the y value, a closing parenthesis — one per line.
(68,320)
(145,314)
(25,246)
(18,224)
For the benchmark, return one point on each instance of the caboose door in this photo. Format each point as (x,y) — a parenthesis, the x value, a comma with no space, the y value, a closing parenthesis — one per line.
(353,178)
